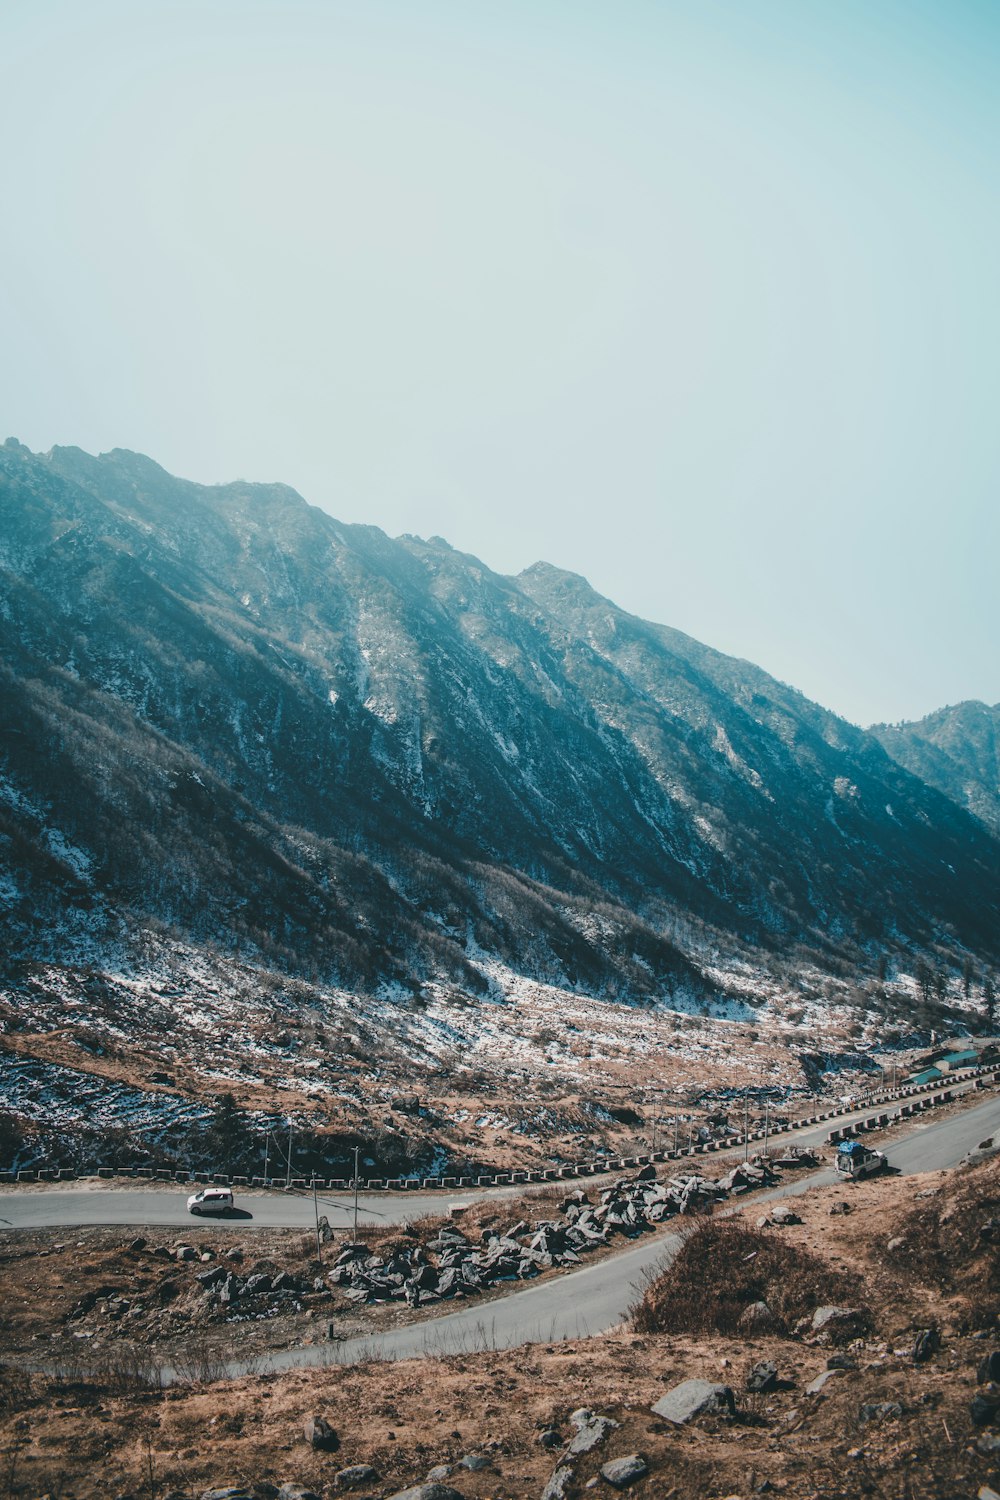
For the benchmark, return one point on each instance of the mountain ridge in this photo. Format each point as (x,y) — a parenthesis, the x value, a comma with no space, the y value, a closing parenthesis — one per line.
(341,732)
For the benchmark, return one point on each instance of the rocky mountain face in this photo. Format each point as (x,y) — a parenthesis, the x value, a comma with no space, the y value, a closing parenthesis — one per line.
(955,749)
(376,763)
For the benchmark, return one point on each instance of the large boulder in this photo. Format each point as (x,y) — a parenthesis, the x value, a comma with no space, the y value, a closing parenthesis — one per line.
(694,1398)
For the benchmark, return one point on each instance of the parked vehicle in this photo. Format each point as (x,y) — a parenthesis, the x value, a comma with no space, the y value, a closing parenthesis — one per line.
(855,1160)
(212,1200)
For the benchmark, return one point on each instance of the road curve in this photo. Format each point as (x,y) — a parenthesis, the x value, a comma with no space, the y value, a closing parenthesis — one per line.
(596,1297)
(44,1207)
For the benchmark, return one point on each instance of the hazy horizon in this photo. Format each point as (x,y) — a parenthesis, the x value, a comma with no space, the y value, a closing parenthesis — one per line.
(697,302)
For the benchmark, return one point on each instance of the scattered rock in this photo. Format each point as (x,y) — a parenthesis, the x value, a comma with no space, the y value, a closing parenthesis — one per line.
(840,1207)
(763,1378)
(841,1362)
(591,1431)
(880,1411)
(783,1215)
(928,1342)
(320,1435)
(816,1386)
(228,1492)
(756,1318)
(349,1479)
(621,1472)
(989,1443)
(296,1492)
(839,1324)
(474,1462)
(984,1404)
(550,1438)
(989,1368)
(427,1492)
(556,1487)
(694,1398)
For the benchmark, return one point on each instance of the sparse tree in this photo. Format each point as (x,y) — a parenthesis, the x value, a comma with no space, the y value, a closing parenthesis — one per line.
(989,1003)
(968,978)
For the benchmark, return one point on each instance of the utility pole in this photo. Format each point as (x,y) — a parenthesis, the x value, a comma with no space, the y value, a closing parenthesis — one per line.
(267,1142)
(746,1124)
(356,1150)
(319,1250)
(767,1121)
(288,1175)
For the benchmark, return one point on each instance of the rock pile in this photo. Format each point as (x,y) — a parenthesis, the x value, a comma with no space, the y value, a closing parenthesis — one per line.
(451,1265)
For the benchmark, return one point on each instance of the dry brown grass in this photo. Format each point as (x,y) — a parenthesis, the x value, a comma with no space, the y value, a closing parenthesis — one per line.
(724,1266)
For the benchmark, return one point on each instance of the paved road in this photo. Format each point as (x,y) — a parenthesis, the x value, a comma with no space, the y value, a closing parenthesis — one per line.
(595,1298)
(44,1207)
(67,1208)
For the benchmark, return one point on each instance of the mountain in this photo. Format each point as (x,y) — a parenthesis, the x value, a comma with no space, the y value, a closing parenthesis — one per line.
(955,749)
(228,717)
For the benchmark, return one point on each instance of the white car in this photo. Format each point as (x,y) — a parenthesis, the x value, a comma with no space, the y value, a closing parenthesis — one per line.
(212,1200)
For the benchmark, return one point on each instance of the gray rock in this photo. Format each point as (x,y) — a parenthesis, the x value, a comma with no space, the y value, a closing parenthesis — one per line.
(756,1318)
(816,1386)
(439,1471)
(320,1435)
(928,1342)
(556,1487)
(763,1378)
(229,1492)
(880,1411)
(694,1398)
(357,1474)
(589,1434)
(783,1215)
(474,1462)
(296,1492)
(985,1405)
(989,1368)
(621,1472)
(550,1438)
(428,1492)
(185,1252)
(839,1324)
(989,1443)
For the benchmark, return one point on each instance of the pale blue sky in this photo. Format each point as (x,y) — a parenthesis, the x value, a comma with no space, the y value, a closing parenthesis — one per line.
(699,300)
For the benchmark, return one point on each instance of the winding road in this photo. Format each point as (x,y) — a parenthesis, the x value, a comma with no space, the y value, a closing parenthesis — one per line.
(575,1304)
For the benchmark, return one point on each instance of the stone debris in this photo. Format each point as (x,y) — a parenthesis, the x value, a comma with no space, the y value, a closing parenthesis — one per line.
(451,1265)
(555,1489)
(839,1324)
(927,1344)
(694,1398)
(815,1387)
(763,1378)
(428,1492)
(357,1474)
(757,1317)
(320,1435)
(591,1431)
(621,1472)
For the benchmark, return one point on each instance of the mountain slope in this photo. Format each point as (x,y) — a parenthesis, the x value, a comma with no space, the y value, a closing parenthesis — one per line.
(955,749)
(377,763)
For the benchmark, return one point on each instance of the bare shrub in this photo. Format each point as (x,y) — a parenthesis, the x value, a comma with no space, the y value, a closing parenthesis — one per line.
(723,1266)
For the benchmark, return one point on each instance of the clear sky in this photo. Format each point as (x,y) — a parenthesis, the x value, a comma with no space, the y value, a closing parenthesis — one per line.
(697,299)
